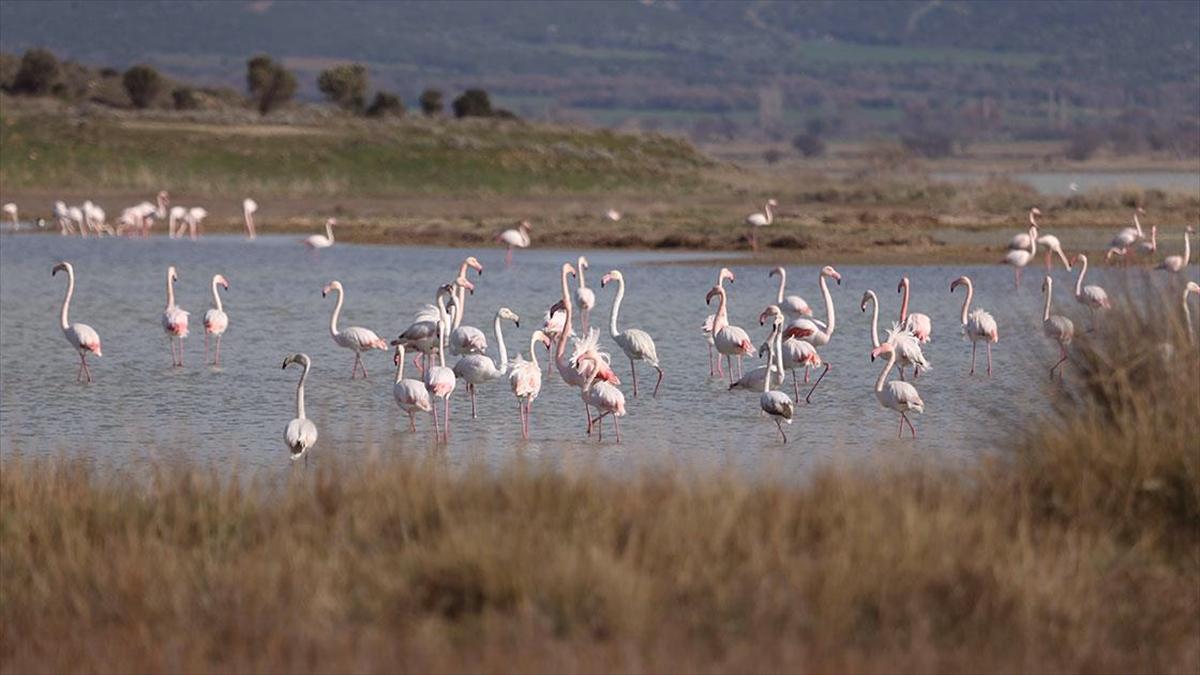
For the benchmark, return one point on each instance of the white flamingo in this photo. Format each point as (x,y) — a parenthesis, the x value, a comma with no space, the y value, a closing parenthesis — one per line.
(896,395)
(776,403)
(1056,327)
(174,320)
(585,298)
(1174,263)
(613,215)
(1127,236)
(1023,241)
(476,369)
(515,238)
(175,221)
(920,325)
(1050,244)
(82,337)
(757,220)
(10,210)
(440,382)
(1093,297)
(249,206)
(552,326)
(193,218)
(598,394)
(707,326)
(355,338)
(811,330)
(525,379)
(908,347)
(793,306)
(300,434)
(63,216)
(1192,287)
(215,319)
(753,379)
(1149,248)
(976,326)
(635,342)
(465,339)
(411,395)
(318,241)
(1019,259)
(729,340)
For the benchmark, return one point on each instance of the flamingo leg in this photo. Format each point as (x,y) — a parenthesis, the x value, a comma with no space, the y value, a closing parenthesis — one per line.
(795,387)
(904,418)
(87,372)
(521,416)
(508,257)
(729,367)
(1047,261)
(901,369)
(659,382)
(206,346)
(973,346)
(900,430)
(437,425)
(79,371)
(779,425)
(807,372)
(412,422)
(617,426)
(180,352)
(633,367)
(587,413)
(753,239)
(808,398)
(583,318)
(363,364)
(720,371)
(599,423)
(471,390)
(989,357)
(711,370)
(446,419)
(218,360)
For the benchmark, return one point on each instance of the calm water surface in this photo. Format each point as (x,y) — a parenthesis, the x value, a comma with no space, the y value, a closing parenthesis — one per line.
(1060,183)
(141,409)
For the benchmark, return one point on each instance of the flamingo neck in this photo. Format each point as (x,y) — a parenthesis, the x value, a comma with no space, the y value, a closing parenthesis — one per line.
(887,368)
(399,365)
(770,216)
(1079,281)
(329,232)
(442,343)
(778,354)
(71,291)
(216,296)
(582,283)
(533,353)
(500,342)
(831,318)
(1049,291)
(616,308)
(772,350)
(300,392)
(1032,219)
(170,292)
(1187,318)
(721,319)
(1187,249)
(566,331)
(161,211)
(782,284)
(904,302)
(967,301)
(1137,223)
(874,319)
(337,309)
(460,300)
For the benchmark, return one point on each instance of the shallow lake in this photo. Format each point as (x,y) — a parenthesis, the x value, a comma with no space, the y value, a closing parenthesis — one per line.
(141,409)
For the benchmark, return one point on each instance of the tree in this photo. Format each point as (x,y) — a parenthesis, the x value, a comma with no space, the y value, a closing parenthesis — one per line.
(185,98)
(270,84)
(385,104)
(473,103)
(345,85)
(37,74)
(143,85)
(431,103)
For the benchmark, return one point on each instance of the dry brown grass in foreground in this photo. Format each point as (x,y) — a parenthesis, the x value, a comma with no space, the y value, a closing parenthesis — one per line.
(1080,553)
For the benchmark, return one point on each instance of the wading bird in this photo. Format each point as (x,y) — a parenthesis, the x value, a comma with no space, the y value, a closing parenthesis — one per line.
(440,383)
(355,338)
(1093,297)
(896,395)
(635,342)
(515,238)
(1056,327)
(585,298)
(249,206)
(707,326)
(82,337)
(596,393)
(729,340)
(317,241)
(976,326)
(1023,241)
(1174,263)
(757,220)
(793,306)
(525,379)
(920,325)
(476,369)
(411,395)
(300,434)
(215,319)
(908,347)
(174,320)
(776,404)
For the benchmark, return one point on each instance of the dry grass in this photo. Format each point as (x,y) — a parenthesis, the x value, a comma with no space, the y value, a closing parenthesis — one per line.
(1079,551)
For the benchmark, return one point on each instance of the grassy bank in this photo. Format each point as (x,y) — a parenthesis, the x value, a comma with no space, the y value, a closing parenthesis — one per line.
(1078,552)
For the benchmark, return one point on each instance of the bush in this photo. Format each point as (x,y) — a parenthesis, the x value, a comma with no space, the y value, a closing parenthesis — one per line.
(1083,143)
(473,103)
(143,84)
(809,145)
(772,156)
(37,74)
(345,85)
(270,84)
(385,104)
(431,103)
(185,99)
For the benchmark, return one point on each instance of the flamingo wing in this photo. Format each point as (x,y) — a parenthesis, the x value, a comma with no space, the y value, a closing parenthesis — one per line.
(778,404)
(904,397)
(585,298)
(361,339)
(300,435)
(637,344)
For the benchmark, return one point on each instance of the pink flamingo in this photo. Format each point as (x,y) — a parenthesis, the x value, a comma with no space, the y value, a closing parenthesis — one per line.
(355,338)
(82,337)
(215,319)
(729,340)
(776,404)
(1093,297)
(920,325)
(319,241)
(793,306)
(635,342)
(598,394)
(1174,263)
(585,298)
(515,238)
(1127,236)
(300,434)
(476,369)
(440,382)
(1019,259)
(174,320)
(249,207)
(707,326)
(1149,248)
(552,326)
(411,395)
(757,220)
(1056,327)
(896,395)
(754,378)
(525,379)
(1024,241)
(421,335)
(465,339)
(978,325)
(567,367)
(908,347)
(1192,287)
(814,332)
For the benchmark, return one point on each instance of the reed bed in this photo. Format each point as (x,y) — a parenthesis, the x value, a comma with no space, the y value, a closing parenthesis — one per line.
(1078,550)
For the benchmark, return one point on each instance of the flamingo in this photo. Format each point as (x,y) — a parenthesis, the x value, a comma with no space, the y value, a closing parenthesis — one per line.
(421,334)
(317,241)
(979,325)
(1022,240)
(908,347)
(476,369)
(729,340)
(896,395)
(175,219)
(585,298)
(1052,245)
(1149,248)
(757,220)
(552,326)
(10,210)
(174,320)
(411,395)
(707,326)
(1092,297)
(465,339)
(76,215)
(515,238)
(635,342)
(1174,263)
(215,319)
(1056,327)
(300,434)
(793,306)
(525,379)
(1019,258)
(1128,235)
(1192,287)
(920,325)
(355,338)
(598,394)
(192,219)
(94,217)
(249,206)
(775,403)
(753,380)
(82,337)
(63,216)
(811,330)
(568,369)
(440,382)
(613,215)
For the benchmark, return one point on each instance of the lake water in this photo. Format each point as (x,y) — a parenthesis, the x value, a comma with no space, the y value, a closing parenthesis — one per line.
(141,409)
(1058,183)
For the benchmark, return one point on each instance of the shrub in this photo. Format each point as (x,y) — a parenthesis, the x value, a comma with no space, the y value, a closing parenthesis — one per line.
(1083,143)
(431,103)
(185,98)
(143,85)
(345,85)
(37,74)
(270,84)
(385,103)
(772,156)
(473,103)
(809,145)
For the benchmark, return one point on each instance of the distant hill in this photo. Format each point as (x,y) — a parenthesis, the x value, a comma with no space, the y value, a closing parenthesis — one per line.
(865,65)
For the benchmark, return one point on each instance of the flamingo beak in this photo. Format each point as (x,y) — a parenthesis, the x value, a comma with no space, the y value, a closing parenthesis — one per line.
(517,322)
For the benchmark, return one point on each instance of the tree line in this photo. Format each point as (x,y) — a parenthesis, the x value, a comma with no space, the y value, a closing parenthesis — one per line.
(269,86)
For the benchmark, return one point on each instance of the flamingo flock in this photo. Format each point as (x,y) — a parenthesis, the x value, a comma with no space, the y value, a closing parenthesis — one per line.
(89,219)
(793,343)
